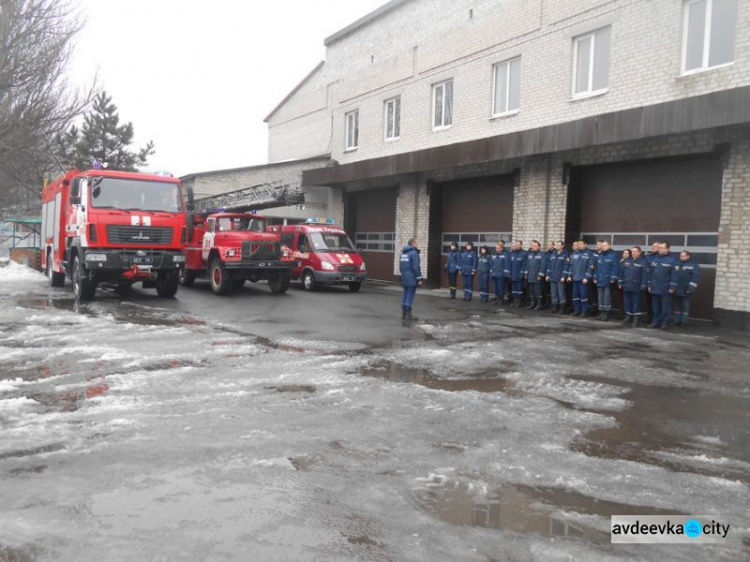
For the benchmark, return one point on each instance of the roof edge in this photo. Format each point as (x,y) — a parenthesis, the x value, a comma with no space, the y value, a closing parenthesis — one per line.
(363,21)
(257,166)
(294,91)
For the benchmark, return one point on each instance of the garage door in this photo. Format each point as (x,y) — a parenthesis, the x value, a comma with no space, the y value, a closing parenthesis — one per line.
(671,200)
(478,211)
(371,218)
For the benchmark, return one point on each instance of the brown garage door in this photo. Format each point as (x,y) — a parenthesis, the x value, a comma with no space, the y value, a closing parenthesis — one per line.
(371,218)
(676,200)
(477,210)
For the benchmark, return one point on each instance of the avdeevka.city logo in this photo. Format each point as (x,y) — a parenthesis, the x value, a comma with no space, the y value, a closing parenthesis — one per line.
(668,529)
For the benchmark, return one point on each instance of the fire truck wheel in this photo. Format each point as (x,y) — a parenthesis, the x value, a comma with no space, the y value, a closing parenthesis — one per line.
(187,277)
(354,287)
(167,284)
(279,282)
(84,289)
(220,282)
(55,279)
(308,281)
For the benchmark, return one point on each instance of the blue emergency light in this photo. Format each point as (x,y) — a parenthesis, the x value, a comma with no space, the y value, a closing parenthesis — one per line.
(319,220)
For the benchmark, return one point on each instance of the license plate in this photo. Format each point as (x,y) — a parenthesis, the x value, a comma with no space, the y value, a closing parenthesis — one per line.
(142,261)
(348,278)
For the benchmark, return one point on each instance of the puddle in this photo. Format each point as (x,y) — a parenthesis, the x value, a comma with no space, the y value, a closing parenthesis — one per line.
(488,381)
(20,453)
(67,303)
(305,388)
(680,429)
(522,509)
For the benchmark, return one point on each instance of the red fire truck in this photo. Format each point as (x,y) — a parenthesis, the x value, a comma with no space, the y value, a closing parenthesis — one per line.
(104,226)
(326,254)
(230,248)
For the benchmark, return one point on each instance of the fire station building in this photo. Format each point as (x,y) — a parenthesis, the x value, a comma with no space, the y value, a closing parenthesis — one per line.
(458,120)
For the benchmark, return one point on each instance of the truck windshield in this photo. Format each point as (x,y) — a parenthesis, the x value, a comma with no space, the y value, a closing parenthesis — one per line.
(141,195)
(327,242)
(226,224)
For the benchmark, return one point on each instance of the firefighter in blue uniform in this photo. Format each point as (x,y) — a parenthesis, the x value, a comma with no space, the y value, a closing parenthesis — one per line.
(485,264)
(468,268)
(557,273)
(661,286)
(499,271)
(411,277)
(580,274)
(546,256)
(632,280)
(687,276)
(517,269)
(452,265)
(535,275)
(605,274)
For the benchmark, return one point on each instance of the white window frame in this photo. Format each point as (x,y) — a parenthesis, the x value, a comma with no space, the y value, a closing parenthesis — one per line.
(706,40)
(349,143)
(396,101)
(495,68)
(576,41)
(442,127)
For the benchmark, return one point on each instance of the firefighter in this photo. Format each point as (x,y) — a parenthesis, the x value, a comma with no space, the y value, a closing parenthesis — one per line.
(468,269)
(485,264)
(500,270)
(632,280)
(534,275)
(687,277)
(605,274)
(579,276)
(452,265)
(517,269)
(546,295)
(411,277)
(649,257)
(593,293)
(661,286)
(557,273)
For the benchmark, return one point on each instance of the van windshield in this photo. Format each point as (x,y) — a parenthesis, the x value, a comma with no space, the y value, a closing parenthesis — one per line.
(226,224)
(327,242)
(140,195)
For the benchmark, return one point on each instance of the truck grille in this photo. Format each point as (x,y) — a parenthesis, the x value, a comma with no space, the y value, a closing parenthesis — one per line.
(260,250)
(348,268)
(139,234)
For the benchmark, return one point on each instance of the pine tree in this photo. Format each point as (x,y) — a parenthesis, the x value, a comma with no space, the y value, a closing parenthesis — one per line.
(102,138)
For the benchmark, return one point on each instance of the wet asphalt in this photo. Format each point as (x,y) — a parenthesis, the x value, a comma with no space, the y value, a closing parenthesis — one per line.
(320,426)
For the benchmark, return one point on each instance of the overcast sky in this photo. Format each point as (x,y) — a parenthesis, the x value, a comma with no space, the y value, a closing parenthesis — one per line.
(198,78)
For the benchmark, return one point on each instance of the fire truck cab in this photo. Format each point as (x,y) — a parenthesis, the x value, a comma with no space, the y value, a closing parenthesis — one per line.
(105,226)
(326,254)
(231,248)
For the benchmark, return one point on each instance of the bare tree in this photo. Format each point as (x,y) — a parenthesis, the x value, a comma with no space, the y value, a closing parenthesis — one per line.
(36,101)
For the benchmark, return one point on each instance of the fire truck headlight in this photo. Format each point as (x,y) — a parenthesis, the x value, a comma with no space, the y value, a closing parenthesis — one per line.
(230,253)
(180,258)
(326,265)
(96,257)
(363,267)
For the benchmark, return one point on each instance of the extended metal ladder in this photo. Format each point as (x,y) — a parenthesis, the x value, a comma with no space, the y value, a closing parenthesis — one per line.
(256,197)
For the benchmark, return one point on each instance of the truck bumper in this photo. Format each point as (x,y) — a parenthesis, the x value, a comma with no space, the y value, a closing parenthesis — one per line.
(146,261)
(339,277)
(260,265)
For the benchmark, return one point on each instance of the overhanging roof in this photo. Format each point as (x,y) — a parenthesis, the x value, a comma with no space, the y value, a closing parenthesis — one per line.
(294,91)
(718,109)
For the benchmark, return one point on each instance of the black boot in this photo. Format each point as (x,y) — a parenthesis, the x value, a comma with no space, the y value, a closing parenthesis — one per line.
(627,320)
(532,304)
(605,316)
(555,309)
(453,293)
(636,320)
(409,315)
(538,305)
(403,312)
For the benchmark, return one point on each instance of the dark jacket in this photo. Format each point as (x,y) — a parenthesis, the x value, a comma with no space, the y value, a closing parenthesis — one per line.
(453,262)
(546,257)
(559,266)
(411,271)
(534,262)
(606,268)
(517,264)
(485,264)
(661,274)
(580,265)
(687,276)
(633,275)
(500,266)
(469,262)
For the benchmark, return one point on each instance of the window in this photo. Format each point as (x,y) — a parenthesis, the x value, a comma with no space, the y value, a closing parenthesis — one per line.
(393,118)
(375,241)
(352,130)
(507,88)
(591,63)
(442,105)
(709,30)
